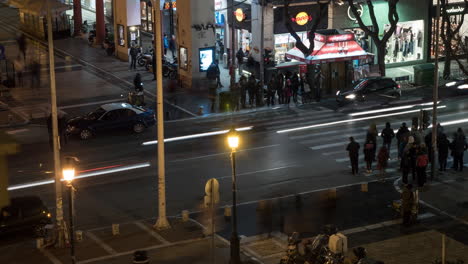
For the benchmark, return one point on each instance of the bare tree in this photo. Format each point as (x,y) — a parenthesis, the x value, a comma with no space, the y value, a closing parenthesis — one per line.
(375,32)
(311,36)
(453,44)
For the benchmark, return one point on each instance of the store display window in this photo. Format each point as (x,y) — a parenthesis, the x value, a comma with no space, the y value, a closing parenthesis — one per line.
(183,57)
(121,35)
(459,42)
(406,43)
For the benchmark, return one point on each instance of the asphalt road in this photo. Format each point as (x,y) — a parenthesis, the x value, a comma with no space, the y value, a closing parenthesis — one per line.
(269,164)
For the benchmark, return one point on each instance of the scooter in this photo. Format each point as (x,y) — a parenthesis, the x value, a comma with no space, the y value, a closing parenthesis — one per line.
(143,57)
(169,69)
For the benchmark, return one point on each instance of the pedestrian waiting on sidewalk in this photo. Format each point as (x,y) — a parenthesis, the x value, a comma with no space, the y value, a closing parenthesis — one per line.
(369,153)
(422,160)
(133,53)
(443,149)
(402,132)
(353,151)
(243,90)
(382,161)
(458,147)
(387,135)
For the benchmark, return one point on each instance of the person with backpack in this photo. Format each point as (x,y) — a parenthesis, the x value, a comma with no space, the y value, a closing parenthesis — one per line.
(402,132)
(369,153)
(422,160)
(382,161)
(387,136)
(353,151)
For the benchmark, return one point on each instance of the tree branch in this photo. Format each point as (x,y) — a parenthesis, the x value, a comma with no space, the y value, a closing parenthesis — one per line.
(392,18)
(372,16)
(369,32)
(299,44)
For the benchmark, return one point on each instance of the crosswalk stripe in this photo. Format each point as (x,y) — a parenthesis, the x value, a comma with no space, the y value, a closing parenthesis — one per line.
(299,118)
(392,151)
(314,134)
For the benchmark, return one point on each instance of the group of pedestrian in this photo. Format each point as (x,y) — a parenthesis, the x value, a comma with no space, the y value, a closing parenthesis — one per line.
(414,151)
(284,87)
(24,63)
(251,87)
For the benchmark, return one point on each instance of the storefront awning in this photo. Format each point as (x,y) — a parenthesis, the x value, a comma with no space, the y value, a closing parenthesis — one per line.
(289,64)
(331,48)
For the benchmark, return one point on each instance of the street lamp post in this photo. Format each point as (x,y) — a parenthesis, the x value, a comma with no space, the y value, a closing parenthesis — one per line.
(68,172)
(233,142)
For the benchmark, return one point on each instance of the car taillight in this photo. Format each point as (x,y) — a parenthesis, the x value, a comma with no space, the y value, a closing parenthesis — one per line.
(398,86)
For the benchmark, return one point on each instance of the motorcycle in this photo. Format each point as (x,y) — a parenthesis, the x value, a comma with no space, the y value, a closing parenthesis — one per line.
(144,57)
(169,69)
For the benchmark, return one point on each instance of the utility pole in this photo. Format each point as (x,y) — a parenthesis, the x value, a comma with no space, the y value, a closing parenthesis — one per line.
(59,224)
(162,222)
(435,94)
(232,71)
(262,47)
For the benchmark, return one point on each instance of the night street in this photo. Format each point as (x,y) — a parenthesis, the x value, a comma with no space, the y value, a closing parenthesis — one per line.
(329,77)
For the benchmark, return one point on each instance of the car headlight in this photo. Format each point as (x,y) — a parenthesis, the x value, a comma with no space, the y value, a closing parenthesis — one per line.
(462,87)
(450,84)
(338,93)
(350,96)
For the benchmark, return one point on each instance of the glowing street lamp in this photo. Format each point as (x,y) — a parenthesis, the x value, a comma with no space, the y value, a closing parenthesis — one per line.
(233,143)
(68,173)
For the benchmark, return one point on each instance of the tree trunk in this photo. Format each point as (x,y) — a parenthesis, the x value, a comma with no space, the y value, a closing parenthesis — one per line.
(381,58)
(447,62)
(315,90)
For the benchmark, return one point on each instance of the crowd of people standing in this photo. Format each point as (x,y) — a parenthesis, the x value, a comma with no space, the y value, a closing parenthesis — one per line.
(414,151)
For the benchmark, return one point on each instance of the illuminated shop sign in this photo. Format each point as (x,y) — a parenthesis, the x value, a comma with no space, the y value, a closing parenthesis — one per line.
(239,14)
(339,38)
(301,18)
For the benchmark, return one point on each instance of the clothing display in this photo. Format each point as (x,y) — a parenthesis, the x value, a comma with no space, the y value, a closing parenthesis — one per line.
(406,43)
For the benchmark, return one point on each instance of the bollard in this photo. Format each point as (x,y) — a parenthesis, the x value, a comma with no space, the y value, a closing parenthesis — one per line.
(140,257)
(115,229)
(227,213)
(185,215)
(332,194)
(79,235)
(39,243)
(364,187)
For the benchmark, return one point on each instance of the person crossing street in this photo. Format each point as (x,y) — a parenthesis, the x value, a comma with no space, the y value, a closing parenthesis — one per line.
(353,151)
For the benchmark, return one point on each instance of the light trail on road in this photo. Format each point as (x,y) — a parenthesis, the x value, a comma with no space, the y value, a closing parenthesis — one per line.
(200,135)
(91,173)
(390,109)
(353,120)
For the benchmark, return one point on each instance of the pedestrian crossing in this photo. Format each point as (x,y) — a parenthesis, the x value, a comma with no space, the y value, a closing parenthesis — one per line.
(329,141)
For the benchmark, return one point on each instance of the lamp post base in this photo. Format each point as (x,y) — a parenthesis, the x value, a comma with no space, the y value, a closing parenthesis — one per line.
(235,249)
(162,224)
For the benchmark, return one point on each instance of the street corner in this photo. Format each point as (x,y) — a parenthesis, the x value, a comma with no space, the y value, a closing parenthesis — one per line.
(179,230)
(10,118)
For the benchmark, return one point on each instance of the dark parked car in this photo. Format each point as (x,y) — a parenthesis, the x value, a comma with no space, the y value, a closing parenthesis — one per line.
(111,117)
(369,89)
(24,213)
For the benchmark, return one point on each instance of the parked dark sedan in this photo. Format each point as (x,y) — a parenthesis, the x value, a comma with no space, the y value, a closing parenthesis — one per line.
(369,89)
(111,117)
(24,213)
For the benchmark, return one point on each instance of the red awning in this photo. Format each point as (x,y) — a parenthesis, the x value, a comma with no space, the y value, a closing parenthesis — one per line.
(331,49)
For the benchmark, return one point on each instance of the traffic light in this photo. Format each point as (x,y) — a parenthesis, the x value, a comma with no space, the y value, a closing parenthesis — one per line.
(426,119)
(268,57)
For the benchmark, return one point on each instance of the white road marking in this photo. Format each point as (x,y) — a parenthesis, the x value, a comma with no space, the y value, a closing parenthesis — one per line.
(258,171)
(83,175)
(152,233)
(352,120)
(91,103)
(12,132)
(51,256)
(101,243)
(224,153)
(315,134)
(330,145)
(200,135)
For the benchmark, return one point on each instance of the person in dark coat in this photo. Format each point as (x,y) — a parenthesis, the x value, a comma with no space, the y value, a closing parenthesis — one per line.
(240,59)
(387,136)
(407,203)
(271,89)
(401,133)
(295,83)
(458,148)
(243,90)
(422,160)
(138,83)
(353,151)
(405,165)
(443,148)
(279,88)
(133,55)
(382,161)
(251,86)
(369,153)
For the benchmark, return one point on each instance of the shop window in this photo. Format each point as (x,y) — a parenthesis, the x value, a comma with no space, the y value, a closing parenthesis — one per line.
(121,35)
(406,43)
(183,57)
(459,43)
